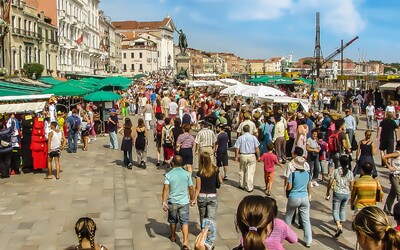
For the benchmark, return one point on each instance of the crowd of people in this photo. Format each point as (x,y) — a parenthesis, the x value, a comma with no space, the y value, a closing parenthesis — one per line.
(315,146)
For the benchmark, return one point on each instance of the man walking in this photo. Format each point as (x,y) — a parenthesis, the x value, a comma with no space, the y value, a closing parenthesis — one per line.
(387,135)
(74,126)
(350,123)
(370,113)
(356,111)
(247,153)
(178,186)
(221,148)
(112,124)
(205,140)
(248,122)
(165,101)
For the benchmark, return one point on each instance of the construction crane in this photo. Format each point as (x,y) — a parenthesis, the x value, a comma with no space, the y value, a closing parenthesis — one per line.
(338,51)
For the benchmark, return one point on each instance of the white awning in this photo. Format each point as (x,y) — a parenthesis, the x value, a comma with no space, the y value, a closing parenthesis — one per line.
(22,107)
(391,86)
(286,99)
(25,97)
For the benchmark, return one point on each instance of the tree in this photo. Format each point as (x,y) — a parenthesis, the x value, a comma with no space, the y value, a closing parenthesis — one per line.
(307,62)
(33,69)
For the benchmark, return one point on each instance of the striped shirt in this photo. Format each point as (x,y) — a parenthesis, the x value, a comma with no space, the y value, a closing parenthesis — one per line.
(365,189)
(205,138)
(186,140)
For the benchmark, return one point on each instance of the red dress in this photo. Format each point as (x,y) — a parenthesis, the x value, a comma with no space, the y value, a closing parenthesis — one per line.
(39,144)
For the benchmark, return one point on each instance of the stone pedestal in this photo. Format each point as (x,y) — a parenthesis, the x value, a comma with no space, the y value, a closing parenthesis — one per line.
(182,63)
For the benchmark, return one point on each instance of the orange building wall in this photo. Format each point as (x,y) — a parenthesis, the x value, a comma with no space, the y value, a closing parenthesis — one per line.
(49,7)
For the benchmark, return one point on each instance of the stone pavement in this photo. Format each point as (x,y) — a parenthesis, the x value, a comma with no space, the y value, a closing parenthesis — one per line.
(126,205)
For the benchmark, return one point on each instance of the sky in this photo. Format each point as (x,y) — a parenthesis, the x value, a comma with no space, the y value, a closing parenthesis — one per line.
(260,29)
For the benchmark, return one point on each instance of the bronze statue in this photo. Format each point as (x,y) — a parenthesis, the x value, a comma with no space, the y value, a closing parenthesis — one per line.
(182,74)
(182,42)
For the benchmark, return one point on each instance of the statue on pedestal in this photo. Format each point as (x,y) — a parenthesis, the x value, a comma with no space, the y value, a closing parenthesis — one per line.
(182,42)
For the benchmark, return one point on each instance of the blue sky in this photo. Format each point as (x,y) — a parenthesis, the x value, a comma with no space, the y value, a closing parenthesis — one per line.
(266,28)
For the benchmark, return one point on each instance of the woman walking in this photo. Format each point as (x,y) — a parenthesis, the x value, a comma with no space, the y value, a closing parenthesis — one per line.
(85,127)
(313,150)
(166,140)
(208,181)
(365,153)
(342,183)
(394,178)
(184,147)
(127,142)
(176,131)
(301,137)
(148,114)
(158,110)
(140,138)
(85,229)
(298,188)
(279,138)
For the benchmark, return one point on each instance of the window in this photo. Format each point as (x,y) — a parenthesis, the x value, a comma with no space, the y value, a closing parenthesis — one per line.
(124,67)
(132,67)
(140,67)
(13,23)
(132,55)
(140,55)
(124,55)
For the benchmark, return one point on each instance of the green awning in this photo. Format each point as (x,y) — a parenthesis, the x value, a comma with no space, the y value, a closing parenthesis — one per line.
(67,89)
(139,76)
(50,80)
(102,96)
(13,92)
(16,86)
(112,83)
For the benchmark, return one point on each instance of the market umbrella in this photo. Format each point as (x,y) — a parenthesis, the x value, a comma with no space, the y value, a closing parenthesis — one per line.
(139,76)
(102,96)
(304,80)
(261,91)
(67,89)
(280,80)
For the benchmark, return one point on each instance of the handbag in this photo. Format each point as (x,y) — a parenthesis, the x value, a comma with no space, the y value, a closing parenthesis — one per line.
(288,191)
(286,135)
(178,148)
(379,194)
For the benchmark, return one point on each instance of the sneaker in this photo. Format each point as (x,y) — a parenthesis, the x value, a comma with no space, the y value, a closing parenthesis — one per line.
(130,166)
(339,231)
(158,164)
(315,183)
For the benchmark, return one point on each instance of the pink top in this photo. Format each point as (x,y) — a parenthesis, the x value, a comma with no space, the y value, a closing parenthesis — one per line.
(397,228)
(292,126)
(280,233)
(269,159)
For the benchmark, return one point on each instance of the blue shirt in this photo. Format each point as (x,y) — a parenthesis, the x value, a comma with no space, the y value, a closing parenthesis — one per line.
(153,97)
(299,185)
(325,124)
(247,144)
(310,127)
(350,122)
(178,180)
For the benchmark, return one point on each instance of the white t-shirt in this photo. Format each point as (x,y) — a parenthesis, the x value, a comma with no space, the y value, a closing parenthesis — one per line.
(390,109)
(370,110)
(173,107)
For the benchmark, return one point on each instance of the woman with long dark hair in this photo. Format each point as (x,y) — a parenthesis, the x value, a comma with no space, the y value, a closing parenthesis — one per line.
(341,183)
(140,139)
(127,142)
(85,229)
(365,153)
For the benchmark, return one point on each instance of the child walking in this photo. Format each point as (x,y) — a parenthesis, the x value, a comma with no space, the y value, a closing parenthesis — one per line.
(269,159)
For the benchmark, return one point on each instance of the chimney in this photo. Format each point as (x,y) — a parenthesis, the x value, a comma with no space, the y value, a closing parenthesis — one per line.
(42,16)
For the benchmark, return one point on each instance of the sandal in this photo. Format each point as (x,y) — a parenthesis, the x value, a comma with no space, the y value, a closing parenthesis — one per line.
(171,239)
(48,177)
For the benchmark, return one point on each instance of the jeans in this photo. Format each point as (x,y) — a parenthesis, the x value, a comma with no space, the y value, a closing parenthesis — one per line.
(113,140)
(178,213)
(350,132)
(314,166)
(127,158)
(324,166)
(303,204)
(335,158)
(393,193)
(339,203)
(207,207)
(141,155)
(370,119)
(72,140)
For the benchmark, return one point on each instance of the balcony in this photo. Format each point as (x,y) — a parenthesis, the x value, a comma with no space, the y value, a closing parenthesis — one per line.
(52,41)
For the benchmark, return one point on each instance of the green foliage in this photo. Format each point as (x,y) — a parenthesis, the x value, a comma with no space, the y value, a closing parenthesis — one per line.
(33,68)
(307,62)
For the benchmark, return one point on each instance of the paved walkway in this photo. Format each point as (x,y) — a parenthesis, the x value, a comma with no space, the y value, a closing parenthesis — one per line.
(126,205)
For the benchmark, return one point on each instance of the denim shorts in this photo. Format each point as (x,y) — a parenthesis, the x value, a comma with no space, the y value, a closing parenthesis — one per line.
(178,213)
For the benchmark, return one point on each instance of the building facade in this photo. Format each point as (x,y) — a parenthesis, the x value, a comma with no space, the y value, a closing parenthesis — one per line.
(160,32)
(78,23)
(33,37)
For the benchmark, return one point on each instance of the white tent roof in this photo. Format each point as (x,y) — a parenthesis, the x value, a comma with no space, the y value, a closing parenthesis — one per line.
(391,86)
(203,83)
(230,81)
(261,91)
(25,97)
(22,107)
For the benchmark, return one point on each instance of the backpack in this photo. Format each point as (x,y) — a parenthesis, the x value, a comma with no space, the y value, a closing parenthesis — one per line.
(76,121)
(333,142)
(159,127)
(261,134)
(167,138)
